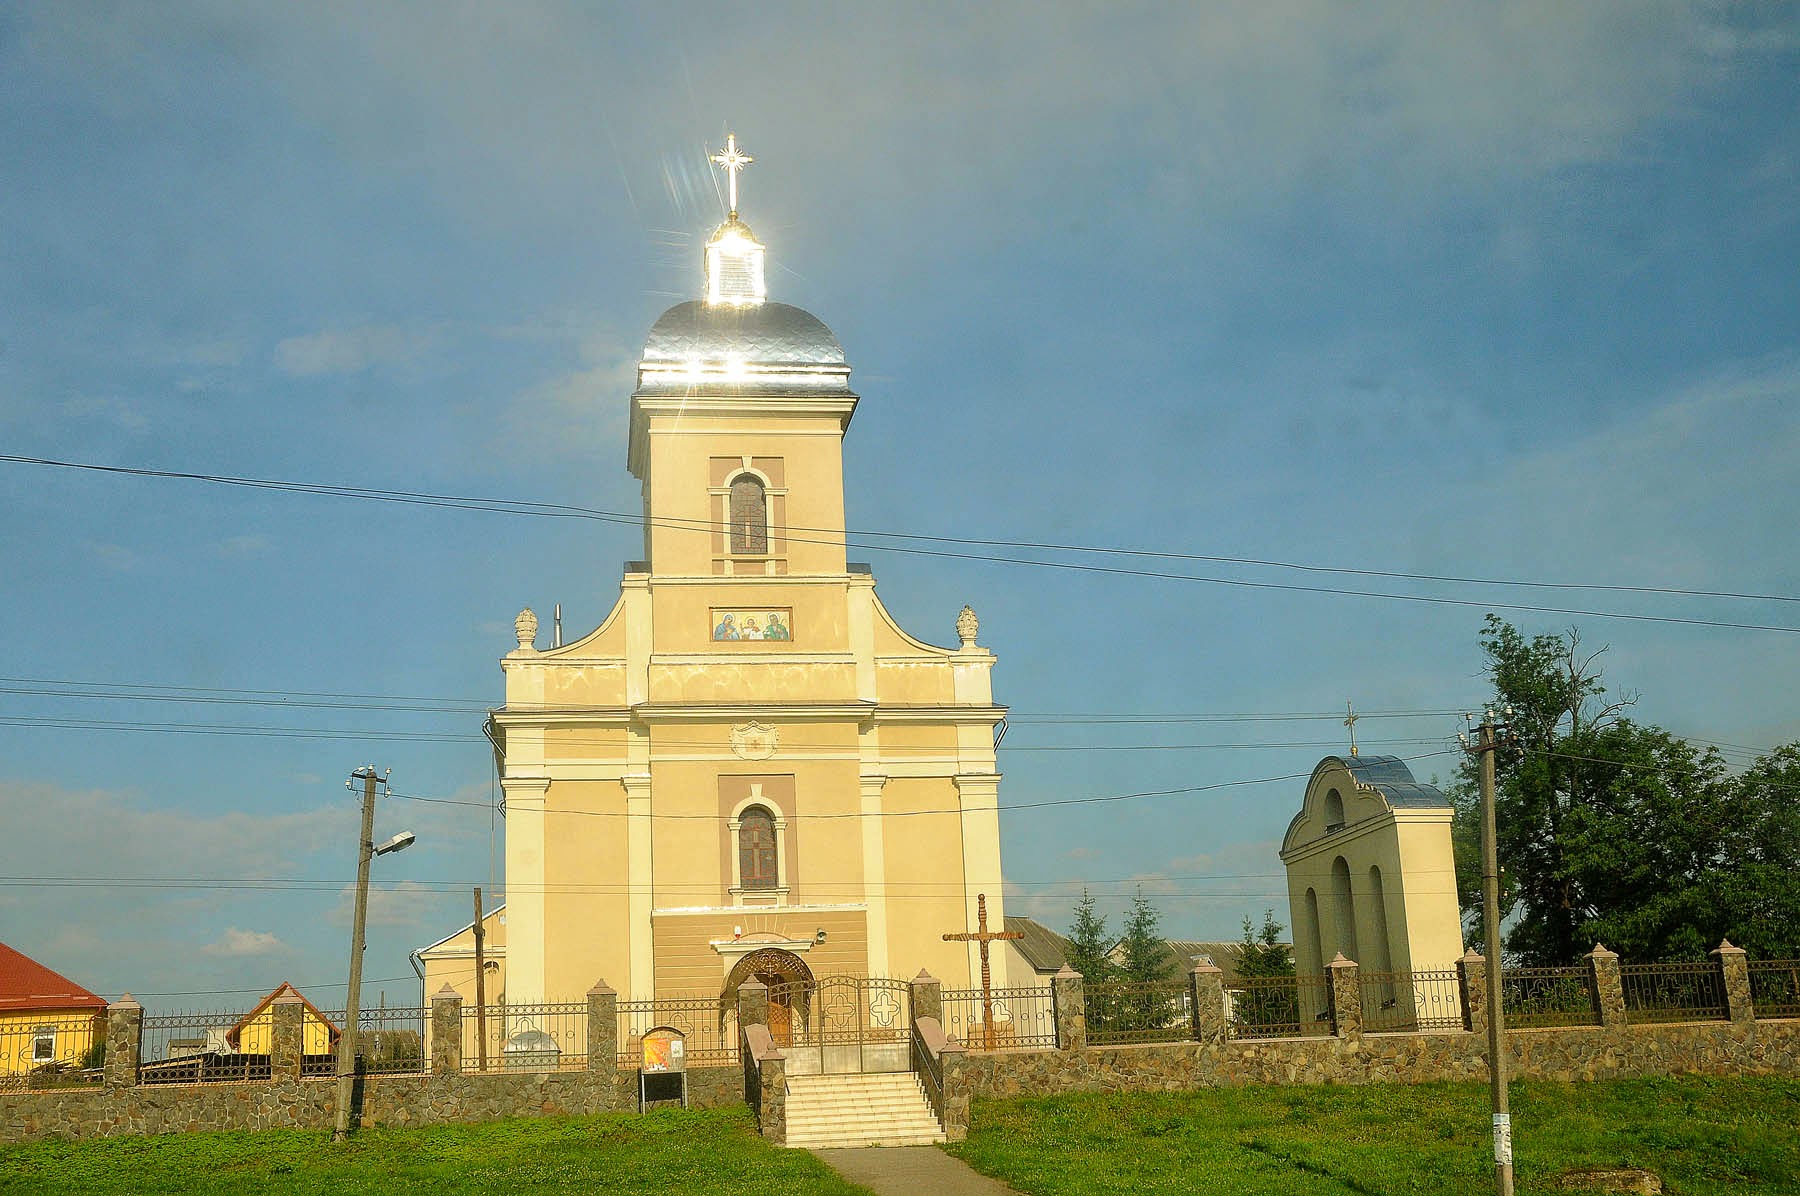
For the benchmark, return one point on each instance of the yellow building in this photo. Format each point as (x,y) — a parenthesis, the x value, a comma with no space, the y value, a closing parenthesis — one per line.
(48,1022)
(1370,870)
(254,1033)
(748,768)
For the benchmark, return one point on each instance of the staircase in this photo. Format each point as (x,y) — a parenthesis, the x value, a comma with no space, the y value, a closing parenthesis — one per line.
(860,1109)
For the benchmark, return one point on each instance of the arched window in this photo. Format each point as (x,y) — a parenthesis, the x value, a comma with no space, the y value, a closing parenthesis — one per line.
(749,515)
(757,867)
(1334,811)
(1344,910)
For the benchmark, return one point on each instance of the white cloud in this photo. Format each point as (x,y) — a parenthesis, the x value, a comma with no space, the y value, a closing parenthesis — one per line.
(245,942)
(242,546)
(120,412)
(350,350)
(116,557)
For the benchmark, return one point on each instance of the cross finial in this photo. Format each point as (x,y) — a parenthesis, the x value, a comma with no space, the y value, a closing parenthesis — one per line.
(1351,718)
(733,160)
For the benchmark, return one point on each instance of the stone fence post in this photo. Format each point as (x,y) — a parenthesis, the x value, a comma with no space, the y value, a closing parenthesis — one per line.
(124,1042)
(772,1087)
(927,993)
(287,1036)
(1206,994)
(1471,982)
(753,1004)
(1068,997)
(1346,997)
(1608,988)
(956,1091)
(1734,974)
(603,1028)
(446,1032)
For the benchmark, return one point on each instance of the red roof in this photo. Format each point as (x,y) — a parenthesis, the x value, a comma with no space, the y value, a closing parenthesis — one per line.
(26,984)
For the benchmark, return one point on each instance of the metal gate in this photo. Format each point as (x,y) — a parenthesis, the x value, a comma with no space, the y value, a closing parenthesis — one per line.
(850,1023)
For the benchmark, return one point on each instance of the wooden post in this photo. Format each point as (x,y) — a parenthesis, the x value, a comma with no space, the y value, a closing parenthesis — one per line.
(480,986)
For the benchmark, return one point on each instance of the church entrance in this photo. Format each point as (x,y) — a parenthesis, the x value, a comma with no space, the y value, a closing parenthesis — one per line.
(844,1024)
(787,978)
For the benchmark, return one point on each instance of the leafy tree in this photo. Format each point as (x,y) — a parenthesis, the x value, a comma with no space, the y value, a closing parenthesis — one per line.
(1616,832)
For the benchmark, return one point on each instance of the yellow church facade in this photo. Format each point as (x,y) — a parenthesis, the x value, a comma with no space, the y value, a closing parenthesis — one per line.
(748,768)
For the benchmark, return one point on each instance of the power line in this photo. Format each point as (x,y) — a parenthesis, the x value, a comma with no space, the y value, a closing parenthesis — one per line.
(837,536)
(59,722)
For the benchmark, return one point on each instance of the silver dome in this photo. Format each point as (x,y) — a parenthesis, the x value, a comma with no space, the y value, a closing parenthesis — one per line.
(759,334)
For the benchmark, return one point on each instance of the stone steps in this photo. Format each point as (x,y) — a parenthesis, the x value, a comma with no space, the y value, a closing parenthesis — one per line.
(860,1109)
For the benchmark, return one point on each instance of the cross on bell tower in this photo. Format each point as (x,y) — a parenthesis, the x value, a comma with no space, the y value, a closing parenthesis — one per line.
(733,160)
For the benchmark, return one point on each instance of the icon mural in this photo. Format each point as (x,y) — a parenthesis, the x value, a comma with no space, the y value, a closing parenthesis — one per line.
(752,625)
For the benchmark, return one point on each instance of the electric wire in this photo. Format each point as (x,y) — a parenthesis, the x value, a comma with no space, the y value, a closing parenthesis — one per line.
(836,537)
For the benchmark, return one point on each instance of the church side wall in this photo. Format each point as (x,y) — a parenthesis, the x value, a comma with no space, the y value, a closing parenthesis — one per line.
(926,891)
(586,907)
(1432,918)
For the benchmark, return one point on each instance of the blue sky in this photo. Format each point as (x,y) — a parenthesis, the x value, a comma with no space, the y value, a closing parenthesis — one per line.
(1490,291)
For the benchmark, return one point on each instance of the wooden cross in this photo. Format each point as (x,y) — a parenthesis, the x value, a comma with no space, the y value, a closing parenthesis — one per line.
(984,936)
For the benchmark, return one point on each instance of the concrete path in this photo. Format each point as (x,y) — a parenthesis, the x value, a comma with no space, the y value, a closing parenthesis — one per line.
(910,1171)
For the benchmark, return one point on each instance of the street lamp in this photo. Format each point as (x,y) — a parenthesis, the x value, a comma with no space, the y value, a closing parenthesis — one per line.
(366,850)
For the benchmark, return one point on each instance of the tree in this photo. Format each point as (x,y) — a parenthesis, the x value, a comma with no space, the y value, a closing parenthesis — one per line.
(1088,944)
(1143,953)
(1261,952)
(1611,831)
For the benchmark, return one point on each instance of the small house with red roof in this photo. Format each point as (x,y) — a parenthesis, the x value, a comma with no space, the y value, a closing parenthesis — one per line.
(255,1031)
(48,1022)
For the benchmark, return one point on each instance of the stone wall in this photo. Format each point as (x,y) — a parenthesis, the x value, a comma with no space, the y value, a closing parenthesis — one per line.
(1579,1053)
(444,1095)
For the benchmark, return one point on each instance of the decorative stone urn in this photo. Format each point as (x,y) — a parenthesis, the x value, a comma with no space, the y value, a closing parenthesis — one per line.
(526,626)
(966,626)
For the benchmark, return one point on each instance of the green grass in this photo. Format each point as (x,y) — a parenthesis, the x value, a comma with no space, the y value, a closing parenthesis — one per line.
(1698,1135)
(666,1151)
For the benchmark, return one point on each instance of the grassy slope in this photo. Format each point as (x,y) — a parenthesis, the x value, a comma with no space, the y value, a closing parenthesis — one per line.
(671,1151)
(1699,1135)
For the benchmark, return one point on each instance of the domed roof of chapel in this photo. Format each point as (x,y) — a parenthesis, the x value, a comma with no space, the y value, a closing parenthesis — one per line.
(760,334)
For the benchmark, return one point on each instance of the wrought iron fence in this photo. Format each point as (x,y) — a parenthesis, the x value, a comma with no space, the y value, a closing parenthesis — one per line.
(545,1037)
(1775,987)
(1137,1011)
(388,1041)
(709,1028)
(55,1050)
(197,1048)
(1400,1002)
(1536,997)
(1673,992)
(1278,1007)
(1023,1017)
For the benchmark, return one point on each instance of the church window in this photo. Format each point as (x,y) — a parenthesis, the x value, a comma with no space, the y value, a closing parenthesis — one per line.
(749,515)
(757,867)
(1334,811)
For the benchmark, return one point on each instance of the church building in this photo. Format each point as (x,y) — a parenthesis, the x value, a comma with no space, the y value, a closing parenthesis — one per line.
(748,768)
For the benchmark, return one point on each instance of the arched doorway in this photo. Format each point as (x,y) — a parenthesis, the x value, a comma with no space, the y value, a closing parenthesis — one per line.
(789,981)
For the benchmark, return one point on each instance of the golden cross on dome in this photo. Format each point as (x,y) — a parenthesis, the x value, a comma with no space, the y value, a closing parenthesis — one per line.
(733,160)
(1351,718)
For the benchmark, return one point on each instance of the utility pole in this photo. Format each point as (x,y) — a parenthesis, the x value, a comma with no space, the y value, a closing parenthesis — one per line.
(1489,738)
(365,851)
(480,984)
